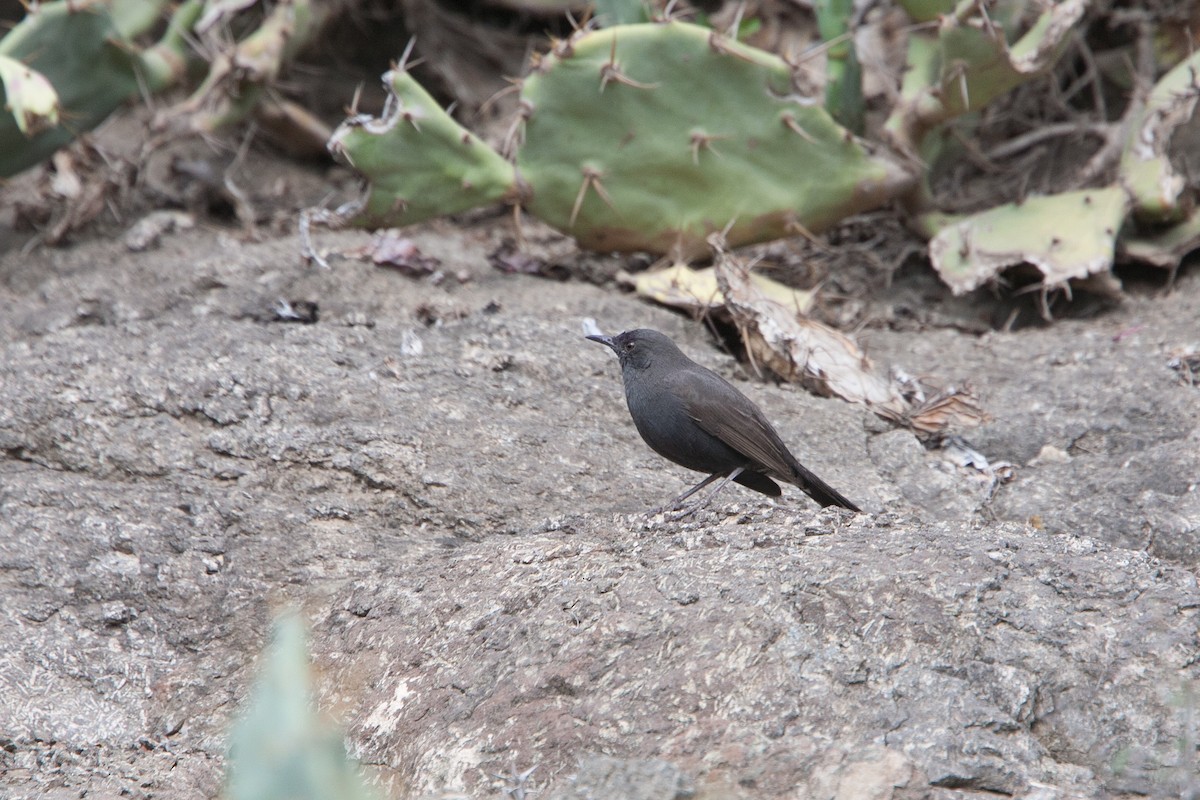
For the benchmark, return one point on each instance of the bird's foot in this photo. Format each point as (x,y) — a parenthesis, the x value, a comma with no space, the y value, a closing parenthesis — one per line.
(676,511)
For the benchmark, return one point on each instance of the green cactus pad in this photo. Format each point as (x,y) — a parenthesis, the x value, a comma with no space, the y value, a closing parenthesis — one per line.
(970,251)
(86,50)
(843,71)
(652,136)
(421,163)
(79,50)
(926,10)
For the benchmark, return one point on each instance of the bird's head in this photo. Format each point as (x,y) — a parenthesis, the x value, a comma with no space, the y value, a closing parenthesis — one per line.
(640,348)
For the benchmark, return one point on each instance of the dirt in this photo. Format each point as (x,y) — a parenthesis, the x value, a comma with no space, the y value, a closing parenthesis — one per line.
(441,473)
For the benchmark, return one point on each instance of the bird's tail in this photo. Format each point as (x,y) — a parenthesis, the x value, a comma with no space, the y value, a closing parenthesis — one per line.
(818,489)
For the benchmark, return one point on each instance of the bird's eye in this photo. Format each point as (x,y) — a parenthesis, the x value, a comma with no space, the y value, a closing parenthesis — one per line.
(628,346)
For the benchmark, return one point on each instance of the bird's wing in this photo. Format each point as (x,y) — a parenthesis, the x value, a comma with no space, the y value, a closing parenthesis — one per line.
(724,412)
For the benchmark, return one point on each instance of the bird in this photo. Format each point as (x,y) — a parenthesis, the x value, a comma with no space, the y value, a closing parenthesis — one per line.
(692,416)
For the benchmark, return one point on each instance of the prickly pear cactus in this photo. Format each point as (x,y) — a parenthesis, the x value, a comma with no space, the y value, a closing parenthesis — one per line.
(635,137)
(969,63)
(651,137)
(420,161)
(76,63)
(78,52)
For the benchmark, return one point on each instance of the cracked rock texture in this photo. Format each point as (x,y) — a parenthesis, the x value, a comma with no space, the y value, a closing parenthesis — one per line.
(444,477)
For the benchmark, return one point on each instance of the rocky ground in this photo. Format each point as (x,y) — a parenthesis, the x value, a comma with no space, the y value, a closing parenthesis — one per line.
(444,477)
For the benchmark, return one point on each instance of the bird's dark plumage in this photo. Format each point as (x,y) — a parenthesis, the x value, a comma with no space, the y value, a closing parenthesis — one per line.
(694,417)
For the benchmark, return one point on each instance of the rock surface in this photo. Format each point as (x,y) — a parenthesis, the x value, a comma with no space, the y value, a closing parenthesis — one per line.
(444,477)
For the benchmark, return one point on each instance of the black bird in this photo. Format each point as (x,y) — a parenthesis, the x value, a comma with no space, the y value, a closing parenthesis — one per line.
(694,417)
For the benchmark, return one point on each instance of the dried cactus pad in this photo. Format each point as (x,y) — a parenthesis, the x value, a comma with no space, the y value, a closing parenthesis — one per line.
(652,136)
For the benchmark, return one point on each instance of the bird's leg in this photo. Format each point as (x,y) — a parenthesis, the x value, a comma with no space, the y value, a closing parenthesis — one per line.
(691,508)
(678,501)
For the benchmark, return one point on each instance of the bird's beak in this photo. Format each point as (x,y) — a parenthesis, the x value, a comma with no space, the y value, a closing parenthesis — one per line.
(602,339)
